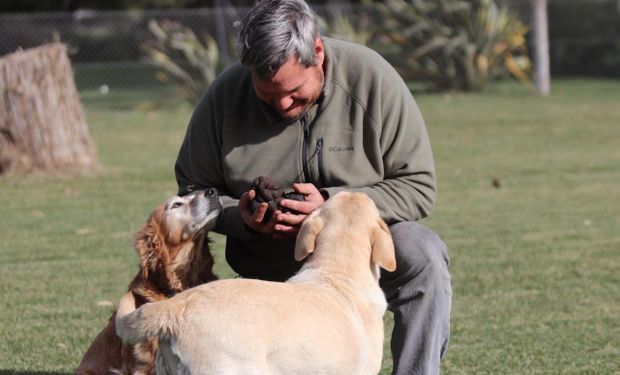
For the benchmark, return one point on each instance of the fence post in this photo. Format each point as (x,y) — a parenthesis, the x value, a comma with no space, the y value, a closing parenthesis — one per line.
(541,45)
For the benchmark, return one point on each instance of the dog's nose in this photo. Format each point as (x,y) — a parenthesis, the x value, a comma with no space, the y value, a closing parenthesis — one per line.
(211,192)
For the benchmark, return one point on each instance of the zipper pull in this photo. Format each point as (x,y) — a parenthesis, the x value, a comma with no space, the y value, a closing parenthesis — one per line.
(304,124)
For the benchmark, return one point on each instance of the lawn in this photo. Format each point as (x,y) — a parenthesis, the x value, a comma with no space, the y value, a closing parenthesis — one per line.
(529,205)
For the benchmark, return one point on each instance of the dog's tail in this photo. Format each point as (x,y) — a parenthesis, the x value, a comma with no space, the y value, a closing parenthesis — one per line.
(150,320)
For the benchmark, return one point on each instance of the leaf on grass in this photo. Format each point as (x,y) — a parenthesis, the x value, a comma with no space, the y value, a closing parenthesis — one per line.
(39,214)
(84,231)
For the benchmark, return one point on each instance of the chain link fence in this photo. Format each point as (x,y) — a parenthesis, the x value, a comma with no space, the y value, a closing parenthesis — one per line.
(108,59)
(584,36)
(106,46)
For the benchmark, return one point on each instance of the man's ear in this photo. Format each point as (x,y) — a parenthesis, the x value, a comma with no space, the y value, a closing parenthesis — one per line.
(383,247)
(319,51)
(306,238)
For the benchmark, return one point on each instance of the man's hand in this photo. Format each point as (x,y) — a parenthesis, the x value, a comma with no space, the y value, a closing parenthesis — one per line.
(287,224)
(254,220)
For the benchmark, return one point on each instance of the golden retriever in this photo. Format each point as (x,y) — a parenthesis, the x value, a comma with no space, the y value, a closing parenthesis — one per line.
(174,255)
(327,319)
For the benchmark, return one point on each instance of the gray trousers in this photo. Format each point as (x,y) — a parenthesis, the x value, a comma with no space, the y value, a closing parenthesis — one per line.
(419,293)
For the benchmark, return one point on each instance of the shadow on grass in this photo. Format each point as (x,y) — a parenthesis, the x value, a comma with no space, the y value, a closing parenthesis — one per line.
(14,372)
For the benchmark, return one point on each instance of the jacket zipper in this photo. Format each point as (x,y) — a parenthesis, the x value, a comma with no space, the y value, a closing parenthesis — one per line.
(304,148)
(319,152)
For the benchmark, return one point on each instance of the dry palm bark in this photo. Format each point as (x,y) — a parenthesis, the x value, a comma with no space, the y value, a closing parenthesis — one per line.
(42,123)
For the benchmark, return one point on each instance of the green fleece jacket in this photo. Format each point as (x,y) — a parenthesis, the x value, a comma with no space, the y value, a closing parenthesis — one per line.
(364,134)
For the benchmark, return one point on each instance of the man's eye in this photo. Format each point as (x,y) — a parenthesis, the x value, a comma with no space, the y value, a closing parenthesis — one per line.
(176,205)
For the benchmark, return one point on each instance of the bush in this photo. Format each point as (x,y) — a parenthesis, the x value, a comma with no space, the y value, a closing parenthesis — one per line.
(453,44)
(340,23)
(190,63)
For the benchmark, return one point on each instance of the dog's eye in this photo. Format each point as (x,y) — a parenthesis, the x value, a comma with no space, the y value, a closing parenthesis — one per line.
(176,205)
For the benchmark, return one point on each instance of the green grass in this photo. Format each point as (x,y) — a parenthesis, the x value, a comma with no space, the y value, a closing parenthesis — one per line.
(535,262)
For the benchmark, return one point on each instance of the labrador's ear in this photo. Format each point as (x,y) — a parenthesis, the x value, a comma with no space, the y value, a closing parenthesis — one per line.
(306,238)
(383,247)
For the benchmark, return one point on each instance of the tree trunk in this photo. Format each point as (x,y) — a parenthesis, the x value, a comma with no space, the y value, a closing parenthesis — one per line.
(541,41)
(42,124)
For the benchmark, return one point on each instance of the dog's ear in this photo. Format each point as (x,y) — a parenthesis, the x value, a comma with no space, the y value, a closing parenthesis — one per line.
(306,238)
(383,247)
(150,243)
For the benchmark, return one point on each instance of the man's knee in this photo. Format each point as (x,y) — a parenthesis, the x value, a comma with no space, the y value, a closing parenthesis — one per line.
(422,260)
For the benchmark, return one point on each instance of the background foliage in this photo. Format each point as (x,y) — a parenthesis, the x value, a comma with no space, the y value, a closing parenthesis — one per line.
(444,44)
(452,44)
(585,38)
(191,62)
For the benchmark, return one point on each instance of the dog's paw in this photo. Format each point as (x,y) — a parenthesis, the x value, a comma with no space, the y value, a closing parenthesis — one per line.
(269,192)
(266,191)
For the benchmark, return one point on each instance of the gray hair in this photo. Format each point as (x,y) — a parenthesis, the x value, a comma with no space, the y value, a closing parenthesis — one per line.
(274,31)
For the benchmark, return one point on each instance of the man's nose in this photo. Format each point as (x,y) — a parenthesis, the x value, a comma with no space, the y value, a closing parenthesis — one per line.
(283,103)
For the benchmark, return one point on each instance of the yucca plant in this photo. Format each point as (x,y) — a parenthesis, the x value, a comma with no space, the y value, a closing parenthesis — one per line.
(453,44)
(190,63)
(341,25)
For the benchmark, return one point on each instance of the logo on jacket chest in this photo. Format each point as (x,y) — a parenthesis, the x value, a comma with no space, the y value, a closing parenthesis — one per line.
(340,148)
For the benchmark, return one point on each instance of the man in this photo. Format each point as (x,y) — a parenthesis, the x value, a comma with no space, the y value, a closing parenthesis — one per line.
(322,116)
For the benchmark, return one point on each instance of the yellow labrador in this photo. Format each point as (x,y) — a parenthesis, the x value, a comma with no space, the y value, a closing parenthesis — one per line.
(327,319)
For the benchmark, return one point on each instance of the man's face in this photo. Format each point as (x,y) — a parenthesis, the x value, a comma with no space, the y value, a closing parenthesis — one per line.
(294,88)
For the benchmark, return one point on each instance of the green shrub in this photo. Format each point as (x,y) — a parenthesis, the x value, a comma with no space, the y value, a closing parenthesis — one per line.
(191,64)
(343,25)
(452,44)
